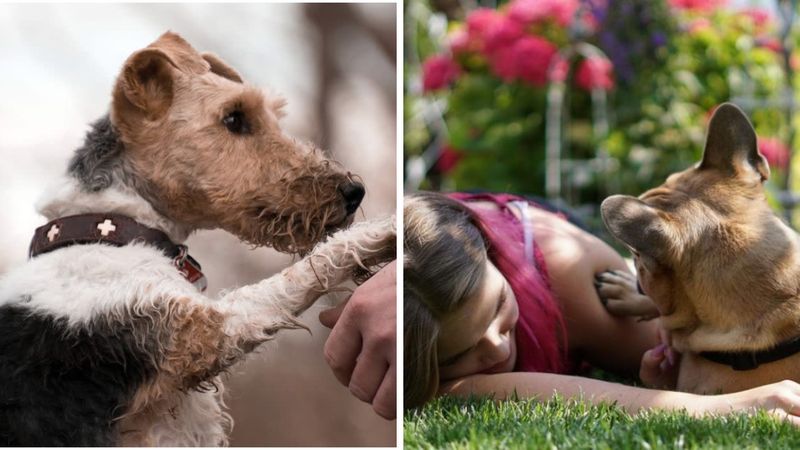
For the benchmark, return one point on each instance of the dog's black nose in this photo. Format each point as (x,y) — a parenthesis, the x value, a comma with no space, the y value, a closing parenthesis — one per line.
(353,193)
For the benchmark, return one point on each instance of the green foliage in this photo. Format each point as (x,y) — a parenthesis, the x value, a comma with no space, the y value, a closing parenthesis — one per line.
(481,423)
(659,111)
(708,63)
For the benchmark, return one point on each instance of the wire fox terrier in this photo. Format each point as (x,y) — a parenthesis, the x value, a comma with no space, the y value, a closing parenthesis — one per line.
(105,335)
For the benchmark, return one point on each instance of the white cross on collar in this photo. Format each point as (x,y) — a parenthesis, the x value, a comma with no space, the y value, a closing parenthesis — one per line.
(54,231)
(106,227)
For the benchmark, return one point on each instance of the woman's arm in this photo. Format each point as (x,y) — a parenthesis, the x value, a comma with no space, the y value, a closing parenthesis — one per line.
(782,399)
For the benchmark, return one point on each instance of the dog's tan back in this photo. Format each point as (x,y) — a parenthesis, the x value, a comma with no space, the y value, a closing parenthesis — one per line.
(722,269)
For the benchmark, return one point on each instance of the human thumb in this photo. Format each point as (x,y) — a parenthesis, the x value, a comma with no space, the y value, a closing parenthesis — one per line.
(329,317)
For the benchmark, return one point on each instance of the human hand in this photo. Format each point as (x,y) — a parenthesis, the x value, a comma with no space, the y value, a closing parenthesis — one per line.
(361,349)
(781,399)
(660,365)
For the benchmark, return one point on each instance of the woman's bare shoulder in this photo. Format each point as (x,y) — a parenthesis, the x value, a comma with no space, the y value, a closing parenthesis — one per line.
(567,247)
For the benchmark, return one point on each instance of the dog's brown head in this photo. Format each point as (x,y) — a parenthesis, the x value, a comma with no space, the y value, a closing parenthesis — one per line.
(207,151)
(707,247)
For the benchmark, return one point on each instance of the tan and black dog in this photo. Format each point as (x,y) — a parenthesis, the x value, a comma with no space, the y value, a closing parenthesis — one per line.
(721,268)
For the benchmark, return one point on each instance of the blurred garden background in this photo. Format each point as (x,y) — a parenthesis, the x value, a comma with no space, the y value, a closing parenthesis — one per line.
(575,100)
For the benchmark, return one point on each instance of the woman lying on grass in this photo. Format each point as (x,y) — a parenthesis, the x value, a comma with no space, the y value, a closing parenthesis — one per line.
(500,299)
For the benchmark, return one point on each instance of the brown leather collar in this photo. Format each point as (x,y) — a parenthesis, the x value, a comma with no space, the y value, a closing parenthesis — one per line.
(114,229)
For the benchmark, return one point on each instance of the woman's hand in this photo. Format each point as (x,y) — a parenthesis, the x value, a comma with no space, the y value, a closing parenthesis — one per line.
(781,399)
(660,365)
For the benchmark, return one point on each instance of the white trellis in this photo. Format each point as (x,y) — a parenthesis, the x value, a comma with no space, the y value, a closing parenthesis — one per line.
(786,102)
(561,171)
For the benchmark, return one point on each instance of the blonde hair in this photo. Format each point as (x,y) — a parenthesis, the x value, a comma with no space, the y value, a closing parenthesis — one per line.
(445,260)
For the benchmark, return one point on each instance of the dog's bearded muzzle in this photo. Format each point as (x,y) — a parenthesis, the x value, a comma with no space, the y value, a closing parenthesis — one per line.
(304,217)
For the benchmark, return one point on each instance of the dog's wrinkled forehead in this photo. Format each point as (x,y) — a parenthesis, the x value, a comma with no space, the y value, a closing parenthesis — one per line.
(185,57)
(190,61)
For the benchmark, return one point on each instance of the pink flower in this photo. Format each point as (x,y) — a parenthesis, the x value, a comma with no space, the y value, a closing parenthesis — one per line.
(698,5)
(776,152)
(595,73)
(698,25)
(501,33)
(478,23)
(528,60)
(438,72)
(560,70)
(459,42)
(448,159)
(528,12)
(770,43)
(759,16)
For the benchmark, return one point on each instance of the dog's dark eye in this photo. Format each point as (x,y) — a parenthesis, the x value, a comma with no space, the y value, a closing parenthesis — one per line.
(235,123)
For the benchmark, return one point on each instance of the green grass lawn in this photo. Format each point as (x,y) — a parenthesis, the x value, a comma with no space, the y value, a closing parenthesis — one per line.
(484,424)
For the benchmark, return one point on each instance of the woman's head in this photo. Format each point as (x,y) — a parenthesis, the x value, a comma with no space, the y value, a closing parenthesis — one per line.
(459,309)
(465,272)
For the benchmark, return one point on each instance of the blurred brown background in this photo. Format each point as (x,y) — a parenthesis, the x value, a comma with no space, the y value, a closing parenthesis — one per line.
(334,63)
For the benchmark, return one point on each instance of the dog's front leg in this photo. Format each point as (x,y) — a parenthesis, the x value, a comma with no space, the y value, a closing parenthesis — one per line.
(256,312)
(199,339)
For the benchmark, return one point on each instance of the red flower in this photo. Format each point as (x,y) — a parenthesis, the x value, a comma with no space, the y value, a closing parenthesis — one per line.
(500,34)
(528,59)
(698,5)
(770,43)
(595,73)
(478,23)
(528,12)
(759,16)
(438,72)
(503,64)
(776,152)
(560,70)
(448,159)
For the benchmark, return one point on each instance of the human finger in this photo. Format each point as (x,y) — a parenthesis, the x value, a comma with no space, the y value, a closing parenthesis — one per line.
(342,348)
(385,401)
(330,316)
(650,370)
(785,416)
(367,375)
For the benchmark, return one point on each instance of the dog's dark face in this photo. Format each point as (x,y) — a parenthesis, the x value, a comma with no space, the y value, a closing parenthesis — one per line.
(707,247)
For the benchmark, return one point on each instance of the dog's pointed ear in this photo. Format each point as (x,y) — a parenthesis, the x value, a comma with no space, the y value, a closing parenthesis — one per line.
(731,144)
(145,85)
(219,67)
(636,225)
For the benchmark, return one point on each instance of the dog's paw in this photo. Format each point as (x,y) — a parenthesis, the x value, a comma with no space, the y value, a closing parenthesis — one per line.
(374,245)
(620,295)
(380,243)
(358,250)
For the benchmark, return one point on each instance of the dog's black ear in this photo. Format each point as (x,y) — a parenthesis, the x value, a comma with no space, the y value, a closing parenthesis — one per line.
(636,225)
(145,84)
(731,144)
